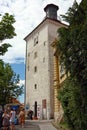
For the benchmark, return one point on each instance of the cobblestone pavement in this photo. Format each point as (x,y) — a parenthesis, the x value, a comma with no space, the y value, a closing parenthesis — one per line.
(47,126)
(37,125)
(27,127)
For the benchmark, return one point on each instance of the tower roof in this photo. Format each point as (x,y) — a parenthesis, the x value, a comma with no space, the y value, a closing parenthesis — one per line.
(51,11)
(51,5)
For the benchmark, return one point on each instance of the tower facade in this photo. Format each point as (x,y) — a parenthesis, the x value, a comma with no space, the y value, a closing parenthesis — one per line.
(39,80)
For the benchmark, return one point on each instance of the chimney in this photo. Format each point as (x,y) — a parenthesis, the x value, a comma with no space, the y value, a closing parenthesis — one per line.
(51,11)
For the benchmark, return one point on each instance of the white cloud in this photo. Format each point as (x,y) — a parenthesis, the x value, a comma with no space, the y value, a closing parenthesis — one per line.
(21,97)
(28,14)
(22,82)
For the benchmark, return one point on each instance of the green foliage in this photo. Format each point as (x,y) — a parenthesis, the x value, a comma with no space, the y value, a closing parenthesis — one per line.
(71,99)
(7,31)
(72,45)
(72,48)
(70,13)
(6,27)
(9,84)
(4,48)
(9,81)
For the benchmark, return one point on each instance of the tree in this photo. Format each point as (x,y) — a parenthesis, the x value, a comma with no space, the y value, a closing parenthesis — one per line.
(71,100)
(72,48)
(7,31)
(9,84)
(9,81)
(73,43)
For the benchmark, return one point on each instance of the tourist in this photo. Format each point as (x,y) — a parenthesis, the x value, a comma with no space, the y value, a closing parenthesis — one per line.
(22,118)
(30,113)
(5,122)
(12,119)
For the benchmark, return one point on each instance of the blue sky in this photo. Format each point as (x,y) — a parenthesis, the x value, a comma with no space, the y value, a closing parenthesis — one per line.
(28,14)
(19,69)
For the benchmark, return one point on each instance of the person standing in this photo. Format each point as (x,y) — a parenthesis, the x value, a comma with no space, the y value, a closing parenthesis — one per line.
(5,122)
(22,118)
(12,119)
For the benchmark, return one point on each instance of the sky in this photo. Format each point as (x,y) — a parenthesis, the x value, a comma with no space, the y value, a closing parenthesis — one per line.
(28,14)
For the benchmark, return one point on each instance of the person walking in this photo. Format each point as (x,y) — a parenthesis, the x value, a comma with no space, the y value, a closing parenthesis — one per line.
(12,119)
(22,118)
(5,121)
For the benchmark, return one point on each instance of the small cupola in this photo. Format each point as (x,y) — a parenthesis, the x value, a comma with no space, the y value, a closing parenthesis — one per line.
(51,11)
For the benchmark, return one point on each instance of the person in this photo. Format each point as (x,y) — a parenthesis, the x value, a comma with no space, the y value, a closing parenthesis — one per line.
(5,122)
(12,119)
(30,113)
(1,113)
(22,118)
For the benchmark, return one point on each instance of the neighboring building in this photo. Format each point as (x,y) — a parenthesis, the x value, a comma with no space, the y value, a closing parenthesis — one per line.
(39,83)
(59,77)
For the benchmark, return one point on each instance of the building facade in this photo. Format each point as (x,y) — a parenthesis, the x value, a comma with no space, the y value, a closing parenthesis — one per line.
(40,85)
(59,77)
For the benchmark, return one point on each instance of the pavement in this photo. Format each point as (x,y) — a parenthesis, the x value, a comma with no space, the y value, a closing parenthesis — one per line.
(27,127)
(37,125)
(47,126)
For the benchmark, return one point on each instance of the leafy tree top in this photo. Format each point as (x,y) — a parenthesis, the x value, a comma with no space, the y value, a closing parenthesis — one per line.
(7,31)
(72,44)
(6,27)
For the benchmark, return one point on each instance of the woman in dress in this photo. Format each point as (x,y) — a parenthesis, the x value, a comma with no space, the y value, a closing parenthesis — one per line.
(22,118)
(5,121)
(12,119)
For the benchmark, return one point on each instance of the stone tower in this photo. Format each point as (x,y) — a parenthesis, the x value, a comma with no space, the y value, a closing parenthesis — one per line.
(39,80)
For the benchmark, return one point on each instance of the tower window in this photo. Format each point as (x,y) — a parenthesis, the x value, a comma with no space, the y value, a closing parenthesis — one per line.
(35,40)
(28,67)
(35,69)
(28,54)
(44,59)
(35,86)
(44,43)
(35,54)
